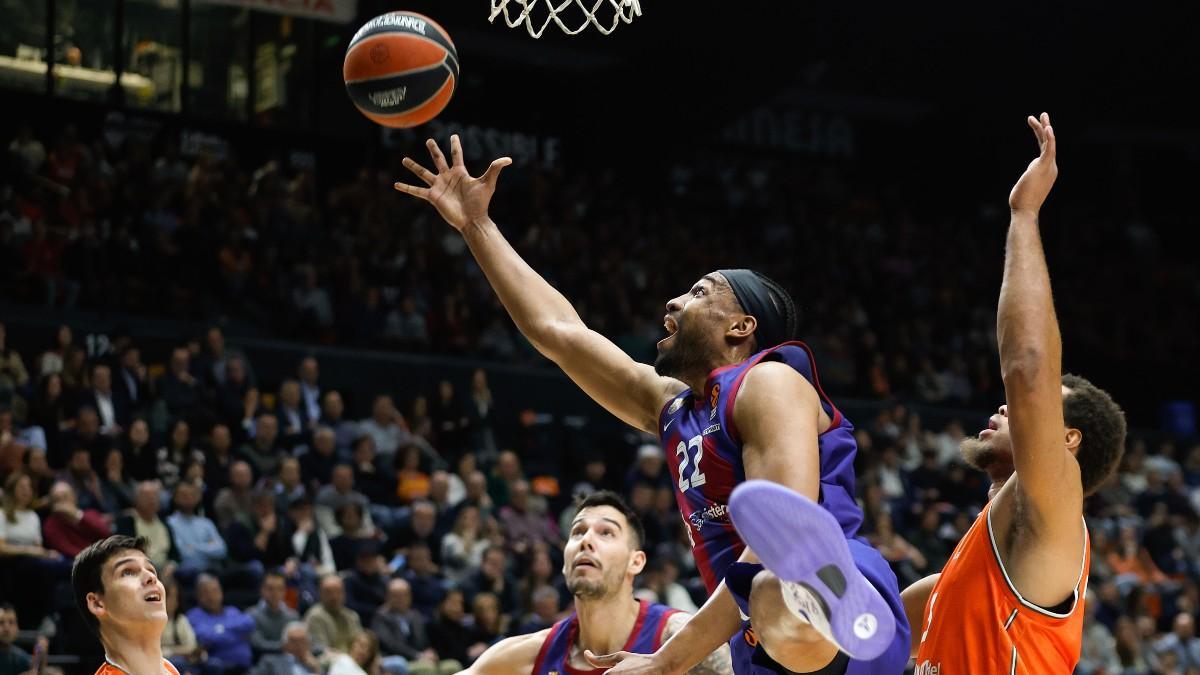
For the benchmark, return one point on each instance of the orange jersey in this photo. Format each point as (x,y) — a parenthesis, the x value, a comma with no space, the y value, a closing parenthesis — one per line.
(976,622)
(107,668)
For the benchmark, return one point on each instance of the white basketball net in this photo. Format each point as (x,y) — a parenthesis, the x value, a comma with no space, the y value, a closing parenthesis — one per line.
(536,15)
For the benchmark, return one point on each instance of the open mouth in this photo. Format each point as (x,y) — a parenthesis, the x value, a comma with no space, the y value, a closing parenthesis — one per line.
(153,597)
(671,326)
(585,562)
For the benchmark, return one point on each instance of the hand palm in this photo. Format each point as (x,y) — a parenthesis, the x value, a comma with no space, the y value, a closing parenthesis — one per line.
(1034,185)
(457,196)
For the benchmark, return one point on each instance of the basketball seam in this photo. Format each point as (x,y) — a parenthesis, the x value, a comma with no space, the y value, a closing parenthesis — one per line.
(365,40)
(399,73)
(453,81)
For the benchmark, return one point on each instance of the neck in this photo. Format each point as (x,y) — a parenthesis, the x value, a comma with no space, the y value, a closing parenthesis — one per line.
(605,623)
(696,381)
(148,517)
(136,652)
(999,476)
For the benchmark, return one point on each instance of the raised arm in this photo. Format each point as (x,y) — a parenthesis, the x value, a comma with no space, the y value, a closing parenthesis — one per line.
(1048,479)
(632,391)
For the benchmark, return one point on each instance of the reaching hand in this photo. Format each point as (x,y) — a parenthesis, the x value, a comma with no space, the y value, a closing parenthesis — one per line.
(460,198)
(626,663)
(1034,186)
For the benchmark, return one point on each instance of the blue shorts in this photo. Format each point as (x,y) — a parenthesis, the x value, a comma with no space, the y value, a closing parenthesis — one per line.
(749,658)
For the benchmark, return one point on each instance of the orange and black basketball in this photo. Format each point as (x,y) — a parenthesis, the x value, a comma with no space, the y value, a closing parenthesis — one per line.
(401,69)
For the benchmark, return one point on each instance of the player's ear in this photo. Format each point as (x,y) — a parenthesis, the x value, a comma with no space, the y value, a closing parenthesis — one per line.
(742,326)
(95,604)
(1074,437)
(637,562)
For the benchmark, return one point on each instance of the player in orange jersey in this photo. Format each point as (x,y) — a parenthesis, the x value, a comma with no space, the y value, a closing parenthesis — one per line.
(120,596)
(1009,600)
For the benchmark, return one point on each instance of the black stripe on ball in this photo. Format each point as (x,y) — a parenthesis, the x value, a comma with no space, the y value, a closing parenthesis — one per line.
(404,22)
(401,93)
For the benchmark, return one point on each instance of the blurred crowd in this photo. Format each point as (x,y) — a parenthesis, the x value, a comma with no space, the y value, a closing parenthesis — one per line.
(897,300)
(296,537)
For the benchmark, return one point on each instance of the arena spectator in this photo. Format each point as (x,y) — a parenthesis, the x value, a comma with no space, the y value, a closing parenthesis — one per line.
(69,529)
(201,548)
(259,540)
(178,456)
(296,655)
(263,451)
(330,623)
(310,390)
(366,584)
(332,415)
(222,631)
(295,424)
(178,388)
(401,632)
(448,633)
(144,522)
(525,521)
(233,502)
(386,426)
(113,410)
(492,578)
(13,659)
(271,616)
(317,464)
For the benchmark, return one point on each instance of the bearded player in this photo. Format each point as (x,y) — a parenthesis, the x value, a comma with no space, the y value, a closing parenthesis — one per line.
(731,399)
(1009,600)
(121,598)
(602,556)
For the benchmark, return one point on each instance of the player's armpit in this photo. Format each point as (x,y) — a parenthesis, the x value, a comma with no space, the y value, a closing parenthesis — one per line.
(716,663)
(916,599)
(511,655)
(778,415)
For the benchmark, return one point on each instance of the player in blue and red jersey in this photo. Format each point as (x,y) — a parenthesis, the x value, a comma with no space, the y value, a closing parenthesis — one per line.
(602,556)
(732,400)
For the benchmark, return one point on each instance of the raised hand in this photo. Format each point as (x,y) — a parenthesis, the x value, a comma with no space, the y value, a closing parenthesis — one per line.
(460,198)
(1034,186)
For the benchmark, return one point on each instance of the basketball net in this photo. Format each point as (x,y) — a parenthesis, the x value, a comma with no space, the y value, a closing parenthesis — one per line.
(536,15)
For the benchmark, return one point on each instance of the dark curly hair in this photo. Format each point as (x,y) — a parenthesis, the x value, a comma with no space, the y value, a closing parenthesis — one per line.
(1101,422)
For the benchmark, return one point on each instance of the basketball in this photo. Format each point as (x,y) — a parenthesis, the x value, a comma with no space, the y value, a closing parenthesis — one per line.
(401,69)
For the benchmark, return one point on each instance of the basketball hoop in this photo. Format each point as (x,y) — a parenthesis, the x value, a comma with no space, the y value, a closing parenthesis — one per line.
(536,15)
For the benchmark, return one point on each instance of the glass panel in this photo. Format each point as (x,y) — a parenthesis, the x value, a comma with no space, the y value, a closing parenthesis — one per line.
(23,44)
(152,45)
(83,51)
(283,70)
(218,82)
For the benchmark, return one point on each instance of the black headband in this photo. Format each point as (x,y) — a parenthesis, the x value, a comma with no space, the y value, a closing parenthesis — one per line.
(755,298)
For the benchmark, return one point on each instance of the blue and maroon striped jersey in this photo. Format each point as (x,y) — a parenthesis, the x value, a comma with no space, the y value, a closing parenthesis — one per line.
(704,453)
(645,638)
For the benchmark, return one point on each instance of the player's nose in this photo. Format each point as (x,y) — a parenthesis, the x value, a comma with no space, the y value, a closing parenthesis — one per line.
(674,304)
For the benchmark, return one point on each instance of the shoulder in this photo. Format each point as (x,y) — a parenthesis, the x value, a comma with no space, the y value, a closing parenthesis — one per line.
(514,654)
(675,622)
(768,381)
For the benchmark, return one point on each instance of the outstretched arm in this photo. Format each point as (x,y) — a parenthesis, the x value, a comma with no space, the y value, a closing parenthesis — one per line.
(630,390)
(1048,477)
